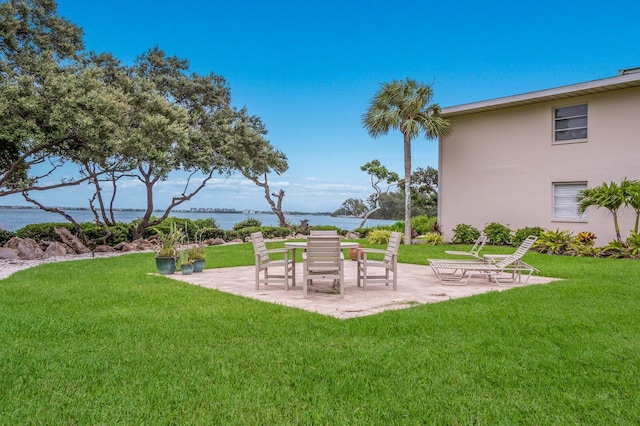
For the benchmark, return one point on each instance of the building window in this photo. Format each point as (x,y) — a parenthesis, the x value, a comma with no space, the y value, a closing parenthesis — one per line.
(570,123)
(565,205)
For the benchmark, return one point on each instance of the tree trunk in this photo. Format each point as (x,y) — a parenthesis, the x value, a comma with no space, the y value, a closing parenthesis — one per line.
(407,189)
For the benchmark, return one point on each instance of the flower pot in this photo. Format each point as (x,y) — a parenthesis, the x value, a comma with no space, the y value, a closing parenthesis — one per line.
(353,253)
(198,265)
(187,269)
(166,265)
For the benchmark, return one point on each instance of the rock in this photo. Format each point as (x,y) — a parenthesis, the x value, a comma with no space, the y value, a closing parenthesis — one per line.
(126,247)
(27,248)
(214,242)
(7,253)
(71,240)
(104,249)
(353,235)
(55,249)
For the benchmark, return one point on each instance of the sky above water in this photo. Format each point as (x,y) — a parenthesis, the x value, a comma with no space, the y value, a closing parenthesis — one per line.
(310,68)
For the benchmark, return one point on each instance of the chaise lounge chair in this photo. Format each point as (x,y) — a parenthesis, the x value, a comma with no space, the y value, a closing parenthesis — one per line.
(502,269)
(475,250)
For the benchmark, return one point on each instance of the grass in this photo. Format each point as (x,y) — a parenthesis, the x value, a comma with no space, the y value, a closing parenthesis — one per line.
(103,342)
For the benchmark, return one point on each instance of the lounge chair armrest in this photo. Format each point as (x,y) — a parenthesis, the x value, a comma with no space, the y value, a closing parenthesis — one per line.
(278,250)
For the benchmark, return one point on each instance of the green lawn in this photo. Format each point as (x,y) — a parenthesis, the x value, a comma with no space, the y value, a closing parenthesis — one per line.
(102,342)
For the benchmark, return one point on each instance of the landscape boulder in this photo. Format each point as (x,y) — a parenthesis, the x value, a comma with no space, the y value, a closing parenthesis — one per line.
(55,249)
(103,248)
(7,253)
(27,248)
(71,240)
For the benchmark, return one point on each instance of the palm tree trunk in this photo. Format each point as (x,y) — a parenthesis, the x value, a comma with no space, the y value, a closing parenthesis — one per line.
(407,188)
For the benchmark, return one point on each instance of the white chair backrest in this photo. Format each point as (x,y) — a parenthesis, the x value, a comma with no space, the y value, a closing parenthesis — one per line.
(479,244)
(519,253)
(259,246)
(323,250)
(393,246)
(325,233)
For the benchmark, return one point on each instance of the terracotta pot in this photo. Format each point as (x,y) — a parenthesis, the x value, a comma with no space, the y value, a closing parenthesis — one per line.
(353,253)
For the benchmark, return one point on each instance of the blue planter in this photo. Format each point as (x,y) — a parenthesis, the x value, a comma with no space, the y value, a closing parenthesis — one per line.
(166,265)
(198,265)
(187,269)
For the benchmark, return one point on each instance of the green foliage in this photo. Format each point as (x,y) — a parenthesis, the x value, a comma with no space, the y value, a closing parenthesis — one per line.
(497,234)
(554,242)
(267,232)
(423,224)
(433,239)
(521,234)
(43,231)
(5,236)
(249,222)
(379,236)
(630,248)
(169,240)
(327,228)
(465,234)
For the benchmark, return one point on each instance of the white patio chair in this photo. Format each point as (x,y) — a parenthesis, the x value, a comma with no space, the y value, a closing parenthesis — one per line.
(389,264)
(323,259)
(319,233)
(264,263)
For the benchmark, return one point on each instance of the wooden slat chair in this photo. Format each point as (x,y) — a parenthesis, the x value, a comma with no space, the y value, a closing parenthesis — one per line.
(264,263)
(323,259)
(389,264)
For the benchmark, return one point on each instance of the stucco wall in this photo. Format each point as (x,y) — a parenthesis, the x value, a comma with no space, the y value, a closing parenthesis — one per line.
(500,166)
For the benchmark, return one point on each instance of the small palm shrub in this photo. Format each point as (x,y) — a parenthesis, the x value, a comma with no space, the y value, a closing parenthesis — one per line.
(379,236)
(497,234)
(521,234)
(465,234)
(554,242)
(630,248)
(433,239)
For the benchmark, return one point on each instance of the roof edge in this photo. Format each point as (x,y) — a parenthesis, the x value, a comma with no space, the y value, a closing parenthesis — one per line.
(606,84)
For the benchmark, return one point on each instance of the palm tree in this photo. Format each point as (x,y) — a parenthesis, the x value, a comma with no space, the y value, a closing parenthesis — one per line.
(609,196)
(404,105)
(631,191)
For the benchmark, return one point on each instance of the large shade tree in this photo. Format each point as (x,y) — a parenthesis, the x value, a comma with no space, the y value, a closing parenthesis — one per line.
(55,110)
(405,105)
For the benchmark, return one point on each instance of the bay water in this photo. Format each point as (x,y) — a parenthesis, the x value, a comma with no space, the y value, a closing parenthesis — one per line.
(13,218)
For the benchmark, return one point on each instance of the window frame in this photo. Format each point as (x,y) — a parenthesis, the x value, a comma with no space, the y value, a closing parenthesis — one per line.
(569,197)
(557,130)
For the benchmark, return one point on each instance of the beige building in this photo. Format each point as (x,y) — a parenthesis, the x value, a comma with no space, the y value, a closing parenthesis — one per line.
(520,160)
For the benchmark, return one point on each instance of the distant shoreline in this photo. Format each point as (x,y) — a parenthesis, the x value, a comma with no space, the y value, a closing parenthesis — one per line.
(220,211)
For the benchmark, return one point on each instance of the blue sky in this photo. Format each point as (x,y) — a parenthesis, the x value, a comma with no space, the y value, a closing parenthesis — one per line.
(309,69)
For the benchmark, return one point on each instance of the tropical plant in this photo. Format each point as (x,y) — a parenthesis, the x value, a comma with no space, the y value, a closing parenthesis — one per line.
(554,242)
(433,239)
(379,236)
(497,233)
(168,241)
(609,196)
(404,105)
(631,193)
(465,234)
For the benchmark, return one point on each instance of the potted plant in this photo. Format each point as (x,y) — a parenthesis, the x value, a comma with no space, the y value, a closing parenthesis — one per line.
(167,251)
(197,253)
(186,264)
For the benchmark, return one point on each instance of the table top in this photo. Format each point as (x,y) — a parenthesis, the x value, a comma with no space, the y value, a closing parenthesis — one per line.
(303,244)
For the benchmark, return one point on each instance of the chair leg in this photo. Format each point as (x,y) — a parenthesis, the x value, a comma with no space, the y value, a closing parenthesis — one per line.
(257,278)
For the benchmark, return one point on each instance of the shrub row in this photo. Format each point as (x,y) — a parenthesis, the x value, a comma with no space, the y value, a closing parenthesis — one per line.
(552,242)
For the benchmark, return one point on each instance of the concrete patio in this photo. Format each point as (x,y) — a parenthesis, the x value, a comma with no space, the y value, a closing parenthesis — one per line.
(417,284)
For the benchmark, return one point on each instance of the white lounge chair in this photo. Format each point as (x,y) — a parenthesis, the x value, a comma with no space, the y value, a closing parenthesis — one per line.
(502,271)
(323,259)
(389,264)
(264,262)
(475,250)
